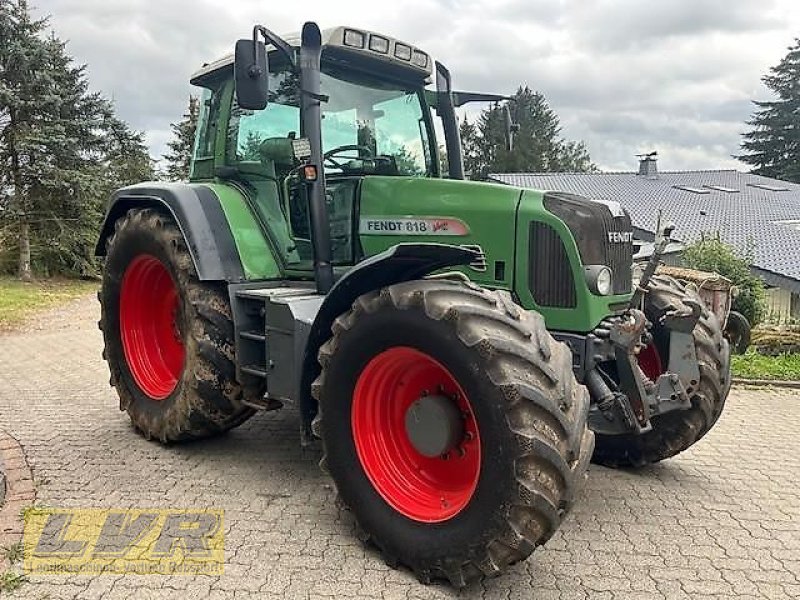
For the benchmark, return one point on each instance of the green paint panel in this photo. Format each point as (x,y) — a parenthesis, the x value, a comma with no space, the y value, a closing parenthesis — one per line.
(394,210)
(402,209)
(255,253)
(590,309)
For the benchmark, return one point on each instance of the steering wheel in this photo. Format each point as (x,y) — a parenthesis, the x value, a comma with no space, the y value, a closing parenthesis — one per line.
(328,156)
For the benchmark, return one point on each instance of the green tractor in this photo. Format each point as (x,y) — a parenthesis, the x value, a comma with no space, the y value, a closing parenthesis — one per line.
(462,349)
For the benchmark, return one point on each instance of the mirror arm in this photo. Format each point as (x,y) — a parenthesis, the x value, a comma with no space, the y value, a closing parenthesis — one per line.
(277,41)
(462,98)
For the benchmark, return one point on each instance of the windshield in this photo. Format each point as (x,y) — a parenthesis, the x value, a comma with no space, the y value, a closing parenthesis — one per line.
(367,125)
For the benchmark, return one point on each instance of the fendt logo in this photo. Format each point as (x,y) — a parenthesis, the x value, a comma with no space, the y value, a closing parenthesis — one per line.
(620,237)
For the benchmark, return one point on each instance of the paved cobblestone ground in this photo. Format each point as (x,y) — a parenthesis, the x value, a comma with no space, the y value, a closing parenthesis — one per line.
(720,521)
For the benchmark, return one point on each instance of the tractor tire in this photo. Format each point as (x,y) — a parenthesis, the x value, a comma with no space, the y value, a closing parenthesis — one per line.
(737,332)
(675,431)
(169,338)
(522,447)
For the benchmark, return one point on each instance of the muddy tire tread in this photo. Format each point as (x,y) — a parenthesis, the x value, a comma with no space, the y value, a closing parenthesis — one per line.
(209,401)
(553,444)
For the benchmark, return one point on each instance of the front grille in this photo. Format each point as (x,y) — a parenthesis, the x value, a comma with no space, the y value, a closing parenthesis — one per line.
(550,276)
(591,224)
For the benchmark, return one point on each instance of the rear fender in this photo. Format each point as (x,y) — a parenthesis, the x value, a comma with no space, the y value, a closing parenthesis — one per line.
(403,262)
(199,216)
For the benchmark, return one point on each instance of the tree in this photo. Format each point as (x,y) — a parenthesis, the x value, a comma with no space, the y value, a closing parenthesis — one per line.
(712,254)
(61,149)
(250,150)
(471,148)
(25,94)
(180,147)
(773,145)
(538,145)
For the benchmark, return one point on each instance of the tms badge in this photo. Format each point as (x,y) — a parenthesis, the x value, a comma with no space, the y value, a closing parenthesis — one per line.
(620,237)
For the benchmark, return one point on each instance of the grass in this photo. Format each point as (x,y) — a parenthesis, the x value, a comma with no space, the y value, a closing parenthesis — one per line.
(14,553)
(10,581)
(784,367)
(19,300)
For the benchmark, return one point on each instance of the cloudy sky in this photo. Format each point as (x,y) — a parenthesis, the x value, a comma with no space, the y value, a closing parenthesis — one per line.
(625,76)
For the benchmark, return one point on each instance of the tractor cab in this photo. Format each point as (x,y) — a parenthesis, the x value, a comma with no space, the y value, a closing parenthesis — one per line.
(374,120)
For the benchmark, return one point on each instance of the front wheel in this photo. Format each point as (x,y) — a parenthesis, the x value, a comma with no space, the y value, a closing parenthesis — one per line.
(675,431)
(453,427)
(169,339)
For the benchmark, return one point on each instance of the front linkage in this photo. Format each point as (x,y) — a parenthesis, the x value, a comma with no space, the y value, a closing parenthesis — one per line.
(625,397)
(627,402)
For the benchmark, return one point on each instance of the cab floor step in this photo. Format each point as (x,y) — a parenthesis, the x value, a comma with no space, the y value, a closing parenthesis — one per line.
(254,370)
(256,336)
(275,292)
(263,404)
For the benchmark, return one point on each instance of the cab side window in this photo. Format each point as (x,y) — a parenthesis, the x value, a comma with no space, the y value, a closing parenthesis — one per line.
(207,122)
(248,129)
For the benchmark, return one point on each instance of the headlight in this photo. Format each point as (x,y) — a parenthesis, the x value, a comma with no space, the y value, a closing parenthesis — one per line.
(637,271)
(353,38)
(600,279)
(378,43)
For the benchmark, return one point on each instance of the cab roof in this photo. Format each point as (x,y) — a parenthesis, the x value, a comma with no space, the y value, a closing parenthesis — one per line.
(364,43)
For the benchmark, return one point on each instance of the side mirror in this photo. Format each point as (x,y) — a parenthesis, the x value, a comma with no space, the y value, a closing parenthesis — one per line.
(510,129)
(251,72)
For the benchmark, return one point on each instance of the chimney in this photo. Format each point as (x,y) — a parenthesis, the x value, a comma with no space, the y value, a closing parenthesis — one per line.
(647,165)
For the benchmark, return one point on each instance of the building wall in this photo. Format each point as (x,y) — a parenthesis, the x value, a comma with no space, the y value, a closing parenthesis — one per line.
(782,305)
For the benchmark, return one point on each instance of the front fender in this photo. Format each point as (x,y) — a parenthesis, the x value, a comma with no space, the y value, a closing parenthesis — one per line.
(199,216)
(403,262)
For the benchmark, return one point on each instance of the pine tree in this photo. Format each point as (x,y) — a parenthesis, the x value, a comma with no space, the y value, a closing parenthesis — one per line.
(26,93)
(250,149)
(471,148)
(179,157)
(538,145)
(126,159)
(62,149)
(773,145)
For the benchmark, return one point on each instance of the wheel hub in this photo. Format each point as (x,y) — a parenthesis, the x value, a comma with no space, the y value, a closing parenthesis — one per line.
(420,451)
(149,314)
(434,425)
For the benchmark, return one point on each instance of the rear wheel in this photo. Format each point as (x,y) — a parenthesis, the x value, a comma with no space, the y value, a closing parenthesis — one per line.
(675,431)
(168,337)
(453,427)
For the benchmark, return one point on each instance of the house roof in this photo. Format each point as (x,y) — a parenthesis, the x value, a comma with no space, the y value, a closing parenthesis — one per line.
(729,202)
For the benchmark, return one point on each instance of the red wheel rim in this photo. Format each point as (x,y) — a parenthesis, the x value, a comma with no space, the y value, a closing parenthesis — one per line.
(427,489)
(650,362)
(148,322)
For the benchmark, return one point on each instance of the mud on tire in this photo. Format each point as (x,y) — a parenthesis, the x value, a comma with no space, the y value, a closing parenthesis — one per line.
(530,411)
(206,399)
(676,431)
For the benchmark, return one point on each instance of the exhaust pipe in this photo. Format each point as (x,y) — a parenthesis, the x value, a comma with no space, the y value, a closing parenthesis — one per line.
(311,128)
